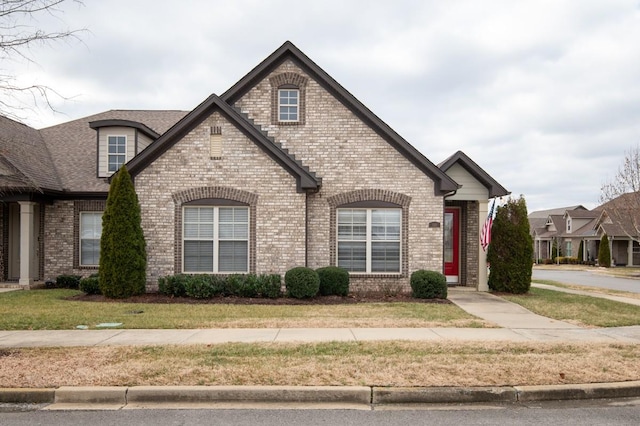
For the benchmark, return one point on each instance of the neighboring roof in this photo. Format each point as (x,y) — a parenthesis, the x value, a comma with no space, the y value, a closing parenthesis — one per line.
(288,51)
(495,189)
(25,162)
(583,214)
(621,223)
(73,145)
(304,177)
(561,210)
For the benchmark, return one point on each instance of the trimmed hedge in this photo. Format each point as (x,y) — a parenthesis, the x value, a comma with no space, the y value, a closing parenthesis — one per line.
(90,284)
(333,281)
(302,282)
(68,281)
(428,285)
(203,286)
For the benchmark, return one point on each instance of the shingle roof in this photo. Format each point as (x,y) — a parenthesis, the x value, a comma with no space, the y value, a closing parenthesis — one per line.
(27,164)
(73,145)
(559,210)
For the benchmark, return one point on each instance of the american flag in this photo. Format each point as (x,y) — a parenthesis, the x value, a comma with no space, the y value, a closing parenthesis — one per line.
(485,235)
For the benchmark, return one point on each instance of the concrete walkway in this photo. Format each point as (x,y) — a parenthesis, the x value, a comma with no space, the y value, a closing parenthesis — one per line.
(518,325)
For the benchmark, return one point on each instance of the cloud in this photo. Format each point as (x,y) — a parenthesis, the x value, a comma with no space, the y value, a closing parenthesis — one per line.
(543,94)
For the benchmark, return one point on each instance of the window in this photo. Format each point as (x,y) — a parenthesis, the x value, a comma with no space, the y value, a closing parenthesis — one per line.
(369,240)
(117,148)
(288,102)
(90,232)
(569,249)
(568,225)
(216,239)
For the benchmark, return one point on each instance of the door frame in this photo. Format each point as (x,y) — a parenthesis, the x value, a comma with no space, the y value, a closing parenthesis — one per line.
(452,269)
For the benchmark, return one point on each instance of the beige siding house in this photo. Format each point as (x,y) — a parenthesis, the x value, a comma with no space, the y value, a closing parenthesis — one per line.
(284,169)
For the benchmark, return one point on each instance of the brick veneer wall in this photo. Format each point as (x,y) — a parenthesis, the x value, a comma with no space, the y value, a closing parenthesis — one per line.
(243,168)
(350,156)
(61,237)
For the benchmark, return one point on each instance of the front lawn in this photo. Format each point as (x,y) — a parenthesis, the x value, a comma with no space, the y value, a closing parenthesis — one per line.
(49,310)
(582,310)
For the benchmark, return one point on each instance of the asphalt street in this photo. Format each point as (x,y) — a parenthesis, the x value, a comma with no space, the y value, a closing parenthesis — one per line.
(588,278)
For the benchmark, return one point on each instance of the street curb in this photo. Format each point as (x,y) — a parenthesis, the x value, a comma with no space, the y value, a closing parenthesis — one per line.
(368,395)
(27,395)
(269,394)
(584,391)
(440,395)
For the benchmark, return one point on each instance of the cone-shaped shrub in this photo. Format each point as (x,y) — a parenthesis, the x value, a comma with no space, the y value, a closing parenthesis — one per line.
(123,258)
(510,252)
(604,252)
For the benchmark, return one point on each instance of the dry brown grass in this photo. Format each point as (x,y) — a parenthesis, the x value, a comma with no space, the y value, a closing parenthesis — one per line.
(365,363)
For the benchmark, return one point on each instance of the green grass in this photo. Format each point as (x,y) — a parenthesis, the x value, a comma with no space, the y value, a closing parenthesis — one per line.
(48,310)
(585,310)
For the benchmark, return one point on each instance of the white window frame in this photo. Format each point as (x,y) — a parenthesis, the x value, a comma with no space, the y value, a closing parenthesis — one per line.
(288,105)
(84,213)
(109,154)
(216,239)
(370,241)
(568,248)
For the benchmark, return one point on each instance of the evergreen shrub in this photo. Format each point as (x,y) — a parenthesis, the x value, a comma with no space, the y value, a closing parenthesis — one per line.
(428,285)
(604,252)
(68,281)
(90,284)
(333,281)
(302,282)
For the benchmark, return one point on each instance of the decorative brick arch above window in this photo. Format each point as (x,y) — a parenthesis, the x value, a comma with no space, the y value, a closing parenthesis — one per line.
(371,199)
(214,196)
(288,80)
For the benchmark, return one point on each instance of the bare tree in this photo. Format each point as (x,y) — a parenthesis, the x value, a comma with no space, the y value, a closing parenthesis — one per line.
(620,196)
(19,33)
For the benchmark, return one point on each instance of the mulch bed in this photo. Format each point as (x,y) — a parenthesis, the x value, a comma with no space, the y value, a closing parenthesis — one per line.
(232,300)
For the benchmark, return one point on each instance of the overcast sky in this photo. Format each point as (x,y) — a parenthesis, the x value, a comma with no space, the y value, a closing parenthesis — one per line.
(542,94)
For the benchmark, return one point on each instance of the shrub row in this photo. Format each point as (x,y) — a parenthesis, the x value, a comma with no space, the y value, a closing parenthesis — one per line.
(206,286)
(65,281)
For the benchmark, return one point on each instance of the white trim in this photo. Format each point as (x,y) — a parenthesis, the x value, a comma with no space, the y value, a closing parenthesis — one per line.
(369,241)
(126,144)
(297,105)
(216,239)
(80,237)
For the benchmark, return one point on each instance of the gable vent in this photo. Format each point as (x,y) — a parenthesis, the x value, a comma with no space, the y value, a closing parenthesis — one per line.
(215,142)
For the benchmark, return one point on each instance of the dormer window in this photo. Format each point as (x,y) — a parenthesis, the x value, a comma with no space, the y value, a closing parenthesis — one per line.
(117,148)
(288,104)
(568,225)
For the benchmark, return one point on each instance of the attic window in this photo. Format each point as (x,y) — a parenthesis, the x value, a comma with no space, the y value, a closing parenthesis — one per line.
(288,92)
(288,104)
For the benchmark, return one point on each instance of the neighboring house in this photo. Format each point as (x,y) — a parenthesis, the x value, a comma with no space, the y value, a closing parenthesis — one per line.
(573,227)
(286,168)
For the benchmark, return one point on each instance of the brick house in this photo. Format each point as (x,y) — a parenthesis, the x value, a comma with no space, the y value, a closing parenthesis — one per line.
(286,168)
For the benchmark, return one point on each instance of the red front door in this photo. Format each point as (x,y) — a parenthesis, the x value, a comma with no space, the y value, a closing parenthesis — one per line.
(452,245)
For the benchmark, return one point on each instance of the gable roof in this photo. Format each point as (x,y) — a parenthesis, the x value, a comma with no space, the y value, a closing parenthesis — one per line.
(495,189)
(288,51)
(304,177)
(26,164)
